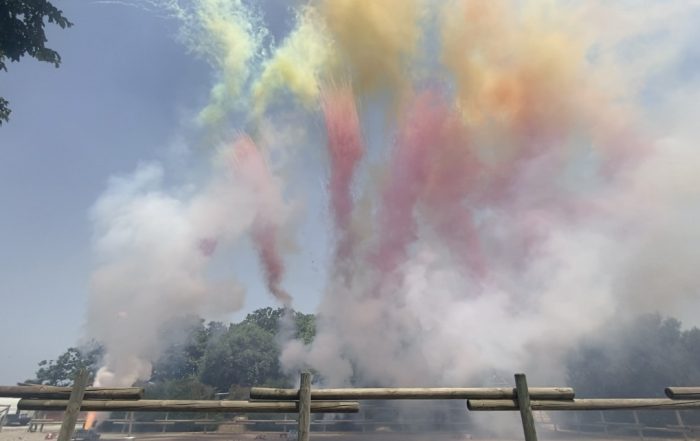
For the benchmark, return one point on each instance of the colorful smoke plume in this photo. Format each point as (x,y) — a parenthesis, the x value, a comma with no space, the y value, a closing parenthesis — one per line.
(259,182)
(503,177)
(345,150)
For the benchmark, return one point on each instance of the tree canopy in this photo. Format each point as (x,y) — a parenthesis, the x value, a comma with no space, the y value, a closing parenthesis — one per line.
(202,358)
(233,356)
(22,33)
(246,355)
(637,358)
(62,371)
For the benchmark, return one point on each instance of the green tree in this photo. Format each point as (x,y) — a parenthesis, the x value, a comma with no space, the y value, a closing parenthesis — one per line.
(62,371)
(305,327)
(637,359)
(22,33)
(203,355)
(269,319)
(183,358)
(246,355)
(266,318)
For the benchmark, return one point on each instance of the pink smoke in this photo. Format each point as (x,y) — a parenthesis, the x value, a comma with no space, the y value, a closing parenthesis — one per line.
(432,167)
(255,174)
(453,183)
(409,171)
(345,149)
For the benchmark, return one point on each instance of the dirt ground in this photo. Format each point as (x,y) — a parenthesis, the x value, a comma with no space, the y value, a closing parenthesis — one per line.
(20,434)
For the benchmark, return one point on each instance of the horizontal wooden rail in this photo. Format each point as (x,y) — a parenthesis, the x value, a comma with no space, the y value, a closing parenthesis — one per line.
(683,393)
(191,406)
(588,404)
(59,393)
(418,393)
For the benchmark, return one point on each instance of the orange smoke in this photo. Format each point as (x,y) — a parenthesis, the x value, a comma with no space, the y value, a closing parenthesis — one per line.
(378,57)
(90,420)
(519,69)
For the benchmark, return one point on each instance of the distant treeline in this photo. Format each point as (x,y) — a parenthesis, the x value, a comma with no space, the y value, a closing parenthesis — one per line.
(635,358)
(201,359)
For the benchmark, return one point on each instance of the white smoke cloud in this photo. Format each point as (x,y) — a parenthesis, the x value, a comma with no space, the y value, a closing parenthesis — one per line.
(154,248)
(438,326)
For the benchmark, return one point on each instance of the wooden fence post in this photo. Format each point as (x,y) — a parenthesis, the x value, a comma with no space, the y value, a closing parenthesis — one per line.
(70,417)
(524,405)
(304,406)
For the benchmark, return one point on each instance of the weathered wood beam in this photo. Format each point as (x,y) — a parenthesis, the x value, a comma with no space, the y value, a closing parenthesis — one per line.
(192,406)
(72,408)
(588,404)
(523,399)
(304,425)
(683,393)
(416,393)
(62,393)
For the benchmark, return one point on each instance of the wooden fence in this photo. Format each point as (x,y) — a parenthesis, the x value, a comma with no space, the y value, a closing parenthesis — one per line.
(43,398)
(305,401)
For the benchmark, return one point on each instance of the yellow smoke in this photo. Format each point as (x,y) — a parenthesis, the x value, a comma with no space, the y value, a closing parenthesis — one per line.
(297,65)
(376,40)
(225,33)
(372,43)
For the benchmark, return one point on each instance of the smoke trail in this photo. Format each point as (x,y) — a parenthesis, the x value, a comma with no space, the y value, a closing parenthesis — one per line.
(345,148)
(270,212)
(298,64)
(409,171)
(229,36)
(232,42)
(453,177)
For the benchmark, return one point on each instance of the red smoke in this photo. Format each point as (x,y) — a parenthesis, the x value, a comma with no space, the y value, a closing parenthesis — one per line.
(257,176)
(409,170)
(265,239)
(432,168)
(345,149)
(452,184)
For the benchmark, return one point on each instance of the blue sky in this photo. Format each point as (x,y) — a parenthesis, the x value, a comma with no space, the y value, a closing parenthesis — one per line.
(121,95)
